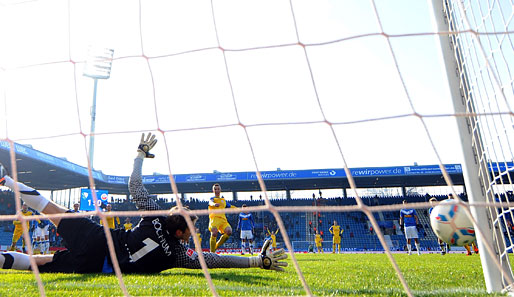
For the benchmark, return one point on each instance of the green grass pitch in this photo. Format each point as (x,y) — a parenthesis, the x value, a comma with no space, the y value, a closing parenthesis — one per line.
(326,274)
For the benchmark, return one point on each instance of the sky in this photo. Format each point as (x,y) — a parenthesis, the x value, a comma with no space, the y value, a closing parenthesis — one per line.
(228,87)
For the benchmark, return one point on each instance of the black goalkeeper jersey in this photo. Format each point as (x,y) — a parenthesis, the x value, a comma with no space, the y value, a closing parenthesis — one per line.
(146,248)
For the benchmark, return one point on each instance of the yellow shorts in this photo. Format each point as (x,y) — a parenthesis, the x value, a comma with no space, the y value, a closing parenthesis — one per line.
(318,244)
(220,224)
(18,232)
(336,240)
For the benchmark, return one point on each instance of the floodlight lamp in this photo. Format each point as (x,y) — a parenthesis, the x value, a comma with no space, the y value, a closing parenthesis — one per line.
(98,64)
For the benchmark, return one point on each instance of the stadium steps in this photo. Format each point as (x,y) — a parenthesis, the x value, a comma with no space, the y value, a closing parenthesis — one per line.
(389,242)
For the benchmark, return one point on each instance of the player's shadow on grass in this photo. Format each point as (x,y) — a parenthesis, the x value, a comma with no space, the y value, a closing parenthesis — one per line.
(79,277)
(234,277)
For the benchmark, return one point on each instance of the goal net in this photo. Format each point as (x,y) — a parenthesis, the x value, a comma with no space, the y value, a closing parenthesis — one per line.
(236,86)
(477,54)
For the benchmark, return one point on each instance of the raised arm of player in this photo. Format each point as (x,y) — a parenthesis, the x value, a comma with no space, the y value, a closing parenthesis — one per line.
(136,188)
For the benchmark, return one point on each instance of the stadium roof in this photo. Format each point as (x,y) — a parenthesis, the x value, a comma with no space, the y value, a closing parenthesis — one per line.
(46,172)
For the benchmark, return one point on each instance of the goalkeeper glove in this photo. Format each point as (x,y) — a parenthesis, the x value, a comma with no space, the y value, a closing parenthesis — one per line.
(146,145)
(268,259)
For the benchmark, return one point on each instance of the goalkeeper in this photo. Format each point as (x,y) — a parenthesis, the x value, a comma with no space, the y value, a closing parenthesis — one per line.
(156,244)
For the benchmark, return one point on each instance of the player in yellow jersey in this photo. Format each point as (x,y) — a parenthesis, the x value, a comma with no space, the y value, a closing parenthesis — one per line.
(128,224)
(318,240)
(273,236)
(218,221)
(336,232)
(111,220)
(199,237)
(18,229)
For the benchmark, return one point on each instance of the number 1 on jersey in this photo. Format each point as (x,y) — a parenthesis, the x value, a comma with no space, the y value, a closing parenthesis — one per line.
(150,245)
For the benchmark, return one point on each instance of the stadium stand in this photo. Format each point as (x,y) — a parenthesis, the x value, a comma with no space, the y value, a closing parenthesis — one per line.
(301,227)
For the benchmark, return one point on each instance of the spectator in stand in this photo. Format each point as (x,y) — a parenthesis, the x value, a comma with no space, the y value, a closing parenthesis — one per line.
(76,207)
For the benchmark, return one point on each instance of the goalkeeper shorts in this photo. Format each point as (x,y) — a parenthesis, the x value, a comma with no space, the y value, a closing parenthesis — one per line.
(87,247)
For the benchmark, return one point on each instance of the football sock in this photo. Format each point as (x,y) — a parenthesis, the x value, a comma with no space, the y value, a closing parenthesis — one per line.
(221,241)
(417,247)
(475,248)
(41,247)
(47,246)
(409,248)
(333,248)
(36,245)
(30,196)
(14,260)
(212,243)
(243,246)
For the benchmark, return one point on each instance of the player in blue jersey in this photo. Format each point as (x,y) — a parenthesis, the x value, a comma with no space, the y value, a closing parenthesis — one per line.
(246,224)
(442,244)
(154,245)
(409,219)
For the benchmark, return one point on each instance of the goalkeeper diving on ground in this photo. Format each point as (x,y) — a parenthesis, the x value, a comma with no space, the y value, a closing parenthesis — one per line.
(154,245)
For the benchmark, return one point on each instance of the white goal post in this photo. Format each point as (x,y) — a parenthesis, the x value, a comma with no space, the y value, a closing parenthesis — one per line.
(476,45)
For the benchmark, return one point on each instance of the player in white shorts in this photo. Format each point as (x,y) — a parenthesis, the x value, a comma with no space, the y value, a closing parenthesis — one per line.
(41,236)
(246,224)
(409,219)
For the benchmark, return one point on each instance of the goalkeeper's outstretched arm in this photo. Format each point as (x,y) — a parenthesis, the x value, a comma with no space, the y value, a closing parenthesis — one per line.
(265,260)
(137,190)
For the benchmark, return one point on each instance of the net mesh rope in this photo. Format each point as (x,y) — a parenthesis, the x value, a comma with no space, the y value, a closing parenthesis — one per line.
(485,51)
(487,88)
